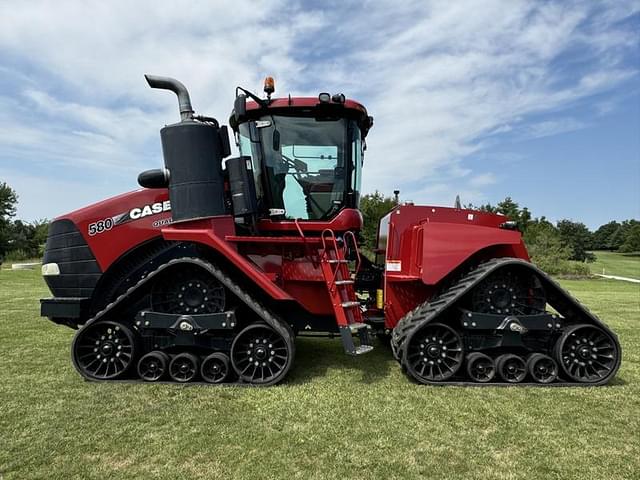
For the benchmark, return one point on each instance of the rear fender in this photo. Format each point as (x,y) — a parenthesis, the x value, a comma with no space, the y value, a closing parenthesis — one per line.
(443,247)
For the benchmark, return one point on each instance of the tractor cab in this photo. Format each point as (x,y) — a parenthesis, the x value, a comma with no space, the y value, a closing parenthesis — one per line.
(304,154)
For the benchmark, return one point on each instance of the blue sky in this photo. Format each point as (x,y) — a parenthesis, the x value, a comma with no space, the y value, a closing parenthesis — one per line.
(539,101)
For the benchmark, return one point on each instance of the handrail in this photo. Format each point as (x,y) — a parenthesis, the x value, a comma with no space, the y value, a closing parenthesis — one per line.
(331,237)
(350,234)
(300,231)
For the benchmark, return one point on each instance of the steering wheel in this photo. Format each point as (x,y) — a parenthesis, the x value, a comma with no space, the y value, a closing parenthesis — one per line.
(301,169)
(298,165)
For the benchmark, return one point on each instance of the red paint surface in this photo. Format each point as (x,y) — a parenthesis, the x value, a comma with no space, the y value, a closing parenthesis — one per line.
(303,102)
(110,245)
(430,243)
(346,219)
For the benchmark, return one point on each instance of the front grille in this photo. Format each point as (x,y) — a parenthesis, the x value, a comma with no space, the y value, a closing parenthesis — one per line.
(79,271)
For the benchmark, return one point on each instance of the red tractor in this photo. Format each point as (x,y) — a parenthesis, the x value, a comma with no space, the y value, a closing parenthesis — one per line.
(211,270)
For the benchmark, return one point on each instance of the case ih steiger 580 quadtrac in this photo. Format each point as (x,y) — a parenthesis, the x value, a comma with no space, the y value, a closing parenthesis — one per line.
(210,271)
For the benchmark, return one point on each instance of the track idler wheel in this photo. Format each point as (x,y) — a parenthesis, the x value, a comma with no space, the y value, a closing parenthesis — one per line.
(260,355)
(183,367)
(542,368)
(153,366)
(103,350)
(511,368)
(434,353)
(480,367)
(587,354)
(215,368)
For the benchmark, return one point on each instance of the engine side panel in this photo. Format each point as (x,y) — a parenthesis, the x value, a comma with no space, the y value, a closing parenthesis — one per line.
(115,226)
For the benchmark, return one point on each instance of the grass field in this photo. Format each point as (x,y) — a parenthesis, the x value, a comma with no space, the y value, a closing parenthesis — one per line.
(335,417)
(623,265)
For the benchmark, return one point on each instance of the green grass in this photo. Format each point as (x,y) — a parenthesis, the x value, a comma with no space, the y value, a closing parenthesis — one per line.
(335,417)
(621,264)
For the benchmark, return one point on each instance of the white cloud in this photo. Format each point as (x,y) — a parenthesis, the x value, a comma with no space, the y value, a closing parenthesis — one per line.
(553,127)
(440,78)
(483,180)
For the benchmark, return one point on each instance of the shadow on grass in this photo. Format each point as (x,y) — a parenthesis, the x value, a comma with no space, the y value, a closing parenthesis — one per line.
(617,382)
(316,356)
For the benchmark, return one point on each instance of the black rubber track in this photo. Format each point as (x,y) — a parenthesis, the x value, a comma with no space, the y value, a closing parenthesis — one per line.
(280,326)
(561,300)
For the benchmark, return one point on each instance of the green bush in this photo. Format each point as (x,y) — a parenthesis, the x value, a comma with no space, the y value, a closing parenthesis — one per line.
(18,255)
(562,268)
(632,240)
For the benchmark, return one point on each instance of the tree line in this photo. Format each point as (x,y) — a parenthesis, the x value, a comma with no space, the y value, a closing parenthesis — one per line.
(19,240)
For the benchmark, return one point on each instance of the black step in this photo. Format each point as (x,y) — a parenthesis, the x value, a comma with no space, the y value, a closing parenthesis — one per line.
(350,348)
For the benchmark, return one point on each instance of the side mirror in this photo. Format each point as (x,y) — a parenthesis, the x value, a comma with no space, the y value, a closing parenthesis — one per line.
(276,140)
(240,107)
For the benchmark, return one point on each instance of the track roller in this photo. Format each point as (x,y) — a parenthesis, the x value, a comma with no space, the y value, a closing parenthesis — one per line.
(153,366)
(511,368)
(183,367)
(480,367)
(103,350)
(587,354)
(434,354)
(215,368)
(260,355)
(542,368)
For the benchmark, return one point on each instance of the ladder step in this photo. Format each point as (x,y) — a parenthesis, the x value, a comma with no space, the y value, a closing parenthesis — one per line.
(350,347)
(354,327)
(337,261)
(360,349)
(344,282)
(350,304)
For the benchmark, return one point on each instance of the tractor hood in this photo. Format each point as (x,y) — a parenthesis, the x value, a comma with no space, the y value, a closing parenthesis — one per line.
(115,225)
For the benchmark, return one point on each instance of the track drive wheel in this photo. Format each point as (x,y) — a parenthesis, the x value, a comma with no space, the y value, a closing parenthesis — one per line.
(187,289)
(542,368)
(480,367)
(260,355)
(103,350)
(153,366)
(215,368)
(509,291)
(183,367)
(587,354)
(511,368)
(434,353)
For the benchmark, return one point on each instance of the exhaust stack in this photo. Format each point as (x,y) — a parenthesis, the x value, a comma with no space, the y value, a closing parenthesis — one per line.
(168,83)
(193,150)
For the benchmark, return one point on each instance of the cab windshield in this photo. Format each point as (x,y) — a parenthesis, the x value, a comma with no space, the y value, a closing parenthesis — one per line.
(305,168)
